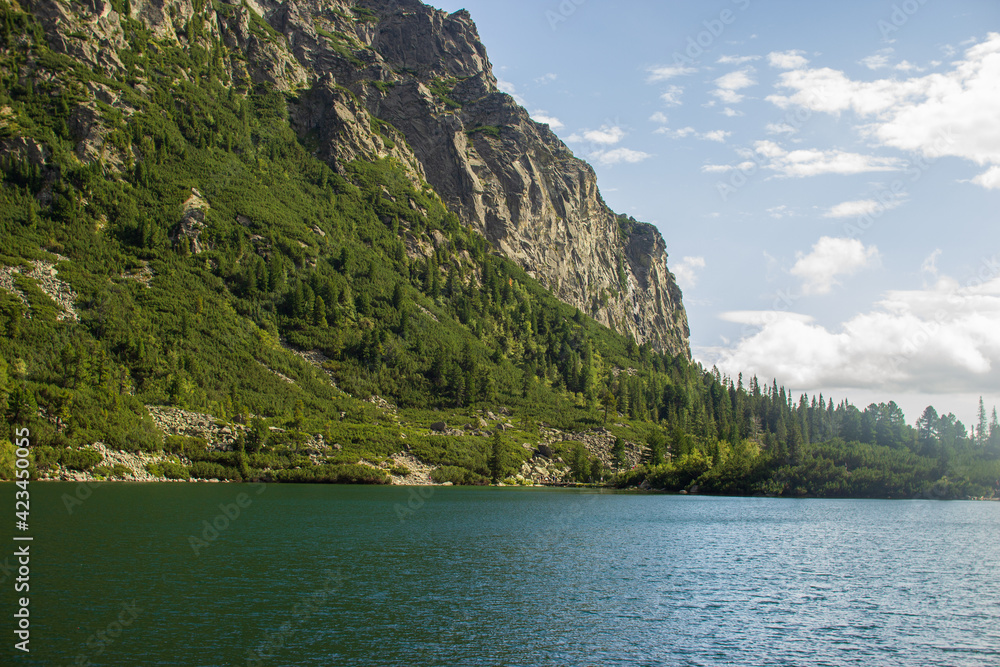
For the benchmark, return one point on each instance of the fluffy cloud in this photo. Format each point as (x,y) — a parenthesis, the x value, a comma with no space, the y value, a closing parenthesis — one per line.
(780,128)
(881,60)
(830,258)
(687,271)
(717,135)
(667,72)
(551,121)
(619,155)
(510,89)
(855,209)
(736,60)
(878,60)
(940,114)
(672,96)
(726,168)
(787,59)
(712,135)
(813,162)
(990,179)
(608,135)
(659,117)
(938,340)
(727,85)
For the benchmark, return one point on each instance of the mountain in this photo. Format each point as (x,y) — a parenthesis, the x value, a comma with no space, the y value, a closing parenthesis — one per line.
(312,242)
(364,73)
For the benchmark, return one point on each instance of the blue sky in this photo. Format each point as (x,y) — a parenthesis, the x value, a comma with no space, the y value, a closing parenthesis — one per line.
(826,175)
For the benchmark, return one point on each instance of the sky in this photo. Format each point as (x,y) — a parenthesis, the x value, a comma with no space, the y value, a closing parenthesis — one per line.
(826,175)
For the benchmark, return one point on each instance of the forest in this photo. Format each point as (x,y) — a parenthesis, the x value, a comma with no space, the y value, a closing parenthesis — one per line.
(367,266)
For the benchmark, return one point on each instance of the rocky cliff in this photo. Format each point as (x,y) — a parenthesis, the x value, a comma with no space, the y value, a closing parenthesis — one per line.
(399,79)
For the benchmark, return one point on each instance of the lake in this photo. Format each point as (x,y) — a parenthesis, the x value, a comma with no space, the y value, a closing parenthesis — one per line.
(137,574)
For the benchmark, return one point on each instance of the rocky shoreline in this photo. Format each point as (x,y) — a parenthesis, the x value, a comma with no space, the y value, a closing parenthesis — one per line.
(543,468)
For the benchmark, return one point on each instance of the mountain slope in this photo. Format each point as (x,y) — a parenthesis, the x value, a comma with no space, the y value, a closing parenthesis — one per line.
(236,242)
(354,68)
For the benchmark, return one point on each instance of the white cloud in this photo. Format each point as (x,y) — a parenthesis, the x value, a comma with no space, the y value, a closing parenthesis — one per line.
(780,128)
(608,135)
(659,117)
(677,134)
(855,209)
(939,114)
(672,96)
(930,264)
(731,113)
(619,155)
(990,179)
(813,162)
(546,79)
(717,135)
(684,132)
(907,66)
(937,340)
(787,59)
(510,89)
(551,121)
(687,271)
(878,60)
(727,85)
(832,257)
(760,318)
(725,168)
(779,212)
(736,60)
(667,72)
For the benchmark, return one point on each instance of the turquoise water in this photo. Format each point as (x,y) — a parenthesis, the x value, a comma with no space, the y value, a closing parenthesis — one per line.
(319,575)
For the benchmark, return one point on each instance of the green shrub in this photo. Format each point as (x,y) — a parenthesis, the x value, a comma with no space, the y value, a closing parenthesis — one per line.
(333,474)
(173,470)
(459,477)
(154,469)
(491,130)
(207,470)
(185,446)
(80,459)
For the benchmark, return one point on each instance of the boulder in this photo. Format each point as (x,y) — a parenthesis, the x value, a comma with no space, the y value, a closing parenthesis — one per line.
(439,427)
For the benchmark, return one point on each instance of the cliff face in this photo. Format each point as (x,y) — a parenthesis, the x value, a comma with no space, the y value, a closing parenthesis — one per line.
(396,78)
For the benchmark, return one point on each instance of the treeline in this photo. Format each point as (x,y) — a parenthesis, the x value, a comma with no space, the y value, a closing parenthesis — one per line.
(368,267)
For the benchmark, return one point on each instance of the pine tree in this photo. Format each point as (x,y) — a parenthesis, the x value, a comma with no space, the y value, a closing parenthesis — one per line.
(982,429)
(496,460)
(618,454)
(319,312)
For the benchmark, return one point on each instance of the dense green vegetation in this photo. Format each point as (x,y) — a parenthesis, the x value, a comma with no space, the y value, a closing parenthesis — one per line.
(369,268)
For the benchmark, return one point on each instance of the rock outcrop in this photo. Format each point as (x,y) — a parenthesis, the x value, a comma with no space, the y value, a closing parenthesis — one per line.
(369,79)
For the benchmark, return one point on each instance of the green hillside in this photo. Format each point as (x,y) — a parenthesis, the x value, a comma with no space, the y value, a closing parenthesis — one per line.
(203,244)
